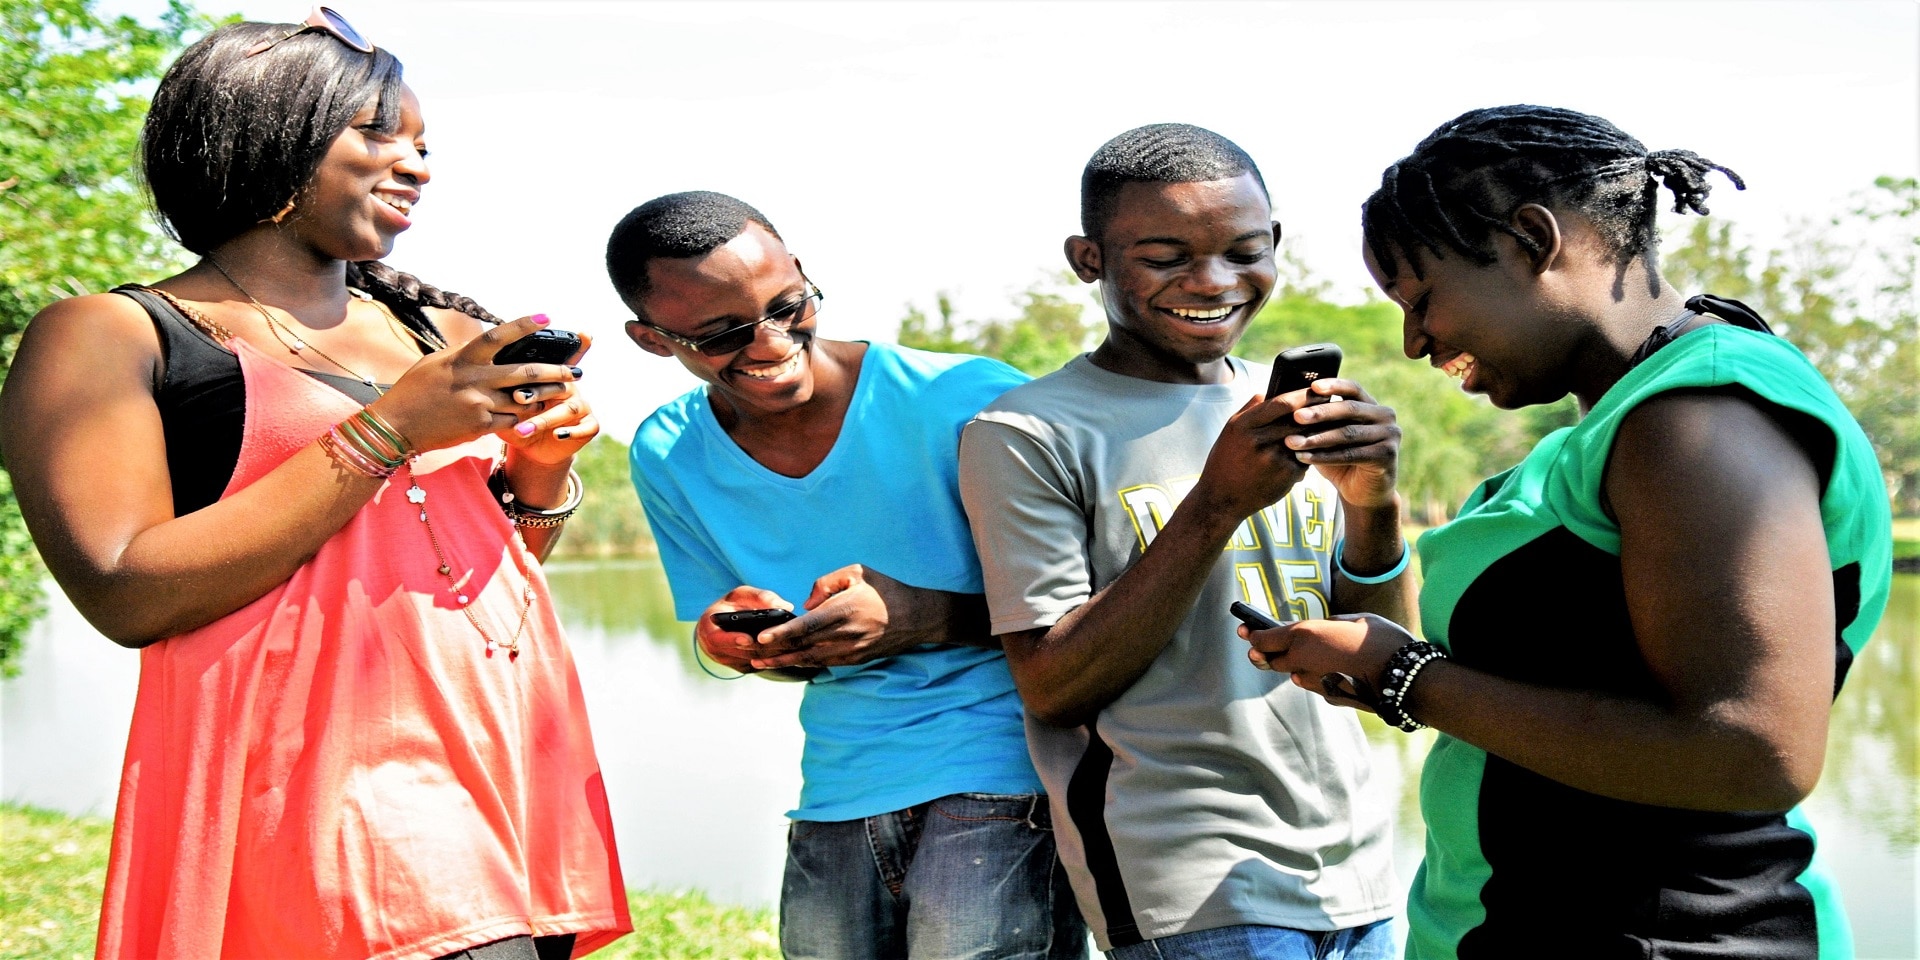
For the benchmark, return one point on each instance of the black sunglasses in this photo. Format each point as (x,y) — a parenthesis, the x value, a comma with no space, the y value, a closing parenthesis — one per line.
(325,20)
(737,337)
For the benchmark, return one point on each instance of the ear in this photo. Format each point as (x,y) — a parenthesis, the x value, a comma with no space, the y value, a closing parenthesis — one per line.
(1083,256)
(1538,224)
(797,265)
(647,340)
(1276,234)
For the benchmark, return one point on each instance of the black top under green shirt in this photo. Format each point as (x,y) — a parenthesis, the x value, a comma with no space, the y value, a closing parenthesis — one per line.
(1526,584)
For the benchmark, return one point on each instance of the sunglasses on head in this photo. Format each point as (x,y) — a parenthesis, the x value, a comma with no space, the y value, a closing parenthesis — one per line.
(737,337)
(326,20)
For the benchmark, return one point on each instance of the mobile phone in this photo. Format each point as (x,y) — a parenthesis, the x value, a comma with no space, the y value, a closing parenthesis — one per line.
(541,346)
(750,622)
(1254,619)
(1297,367)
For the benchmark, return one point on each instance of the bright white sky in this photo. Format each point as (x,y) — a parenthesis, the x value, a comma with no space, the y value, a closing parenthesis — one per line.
(907,148)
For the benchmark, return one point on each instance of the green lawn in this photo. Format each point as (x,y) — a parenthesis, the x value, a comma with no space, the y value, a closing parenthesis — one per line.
(52,868)
(1906,537)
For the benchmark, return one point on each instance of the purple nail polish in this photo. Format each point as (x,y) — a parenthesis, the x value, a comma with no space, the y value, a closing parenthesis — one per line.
(541,319)
(524,429)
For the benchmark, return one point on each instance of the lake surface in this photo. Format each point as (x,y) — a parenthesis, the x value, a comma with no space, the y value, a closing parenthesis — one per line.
(700,771)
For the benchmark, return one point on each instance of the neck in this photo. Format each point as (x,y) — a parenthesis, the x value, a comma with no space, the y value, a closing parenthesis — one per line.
(1130,356)
(258,265)
(1631,316)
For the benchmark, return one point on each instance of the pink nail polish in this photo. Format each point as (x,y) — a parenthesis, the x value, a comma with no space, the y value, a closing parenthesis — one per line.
(541,319)
(525,429)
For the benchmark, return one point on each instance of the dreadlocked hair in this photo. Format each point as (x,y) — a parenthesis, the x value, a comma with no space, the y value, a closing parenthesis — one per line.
(1465,180)
(405,294)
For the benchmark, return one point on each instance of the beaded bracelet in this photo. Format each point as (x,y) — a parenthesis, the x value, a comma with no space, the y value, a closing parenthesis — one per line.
(1397,678)
(1340,563)
(538,519)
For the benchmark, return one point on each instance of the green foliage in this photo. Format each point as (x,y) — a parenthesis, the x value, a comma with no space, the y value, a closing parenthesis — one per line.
(1854,316)
(610,522)
(72,219)
(1048,332)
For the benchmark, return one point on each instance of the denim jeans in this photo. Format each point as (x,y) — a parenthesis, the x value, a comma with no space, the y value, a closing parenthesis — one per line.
(970,876)
(1371,942)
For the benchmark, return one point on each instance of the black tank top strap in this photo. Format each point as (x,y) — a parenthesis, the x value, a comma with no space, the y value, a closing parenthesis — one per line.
(202,400)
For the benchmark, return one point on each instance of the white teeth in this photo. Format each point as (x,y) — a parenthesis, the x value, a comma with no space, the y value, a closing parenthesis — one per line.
(776,371)
(401,204)
(1459,366)
(1213,314)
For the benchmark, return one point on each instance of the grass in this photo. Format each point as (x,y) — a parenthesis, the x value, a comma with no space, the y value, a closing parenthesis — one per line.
(53,867)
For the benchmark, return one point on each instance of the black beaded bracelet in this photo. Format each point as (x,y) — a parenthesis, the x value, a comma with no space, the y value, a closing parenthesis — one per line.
(1397,677)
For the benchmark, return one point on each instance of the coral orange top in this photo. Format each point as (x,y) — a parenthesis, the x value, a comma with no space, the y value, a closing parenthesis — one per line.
(340,769)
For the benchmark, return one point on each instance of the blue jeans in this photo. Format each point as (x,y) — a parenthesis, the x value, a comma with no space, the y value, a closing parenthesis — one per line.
(971,876)
(1371,942)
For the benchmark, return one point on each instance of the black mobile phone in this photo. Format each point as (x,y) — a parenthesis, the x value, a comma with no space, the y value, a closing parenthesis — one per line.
(750,622)
(1254,619)
(540,346)
(1295,368)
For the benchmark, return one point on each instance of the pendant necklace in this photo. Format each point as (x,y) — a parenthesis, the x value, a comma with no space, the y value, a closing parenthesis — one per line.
(416,494)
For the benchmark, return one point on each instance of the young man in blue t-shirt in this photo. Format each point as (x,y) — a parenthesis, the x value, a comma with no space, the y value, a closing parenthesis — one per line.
(824,472)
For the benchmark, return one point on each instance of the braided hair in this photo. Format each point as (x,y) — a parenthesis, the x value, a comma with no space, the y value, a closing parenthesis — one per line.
(1464,181)
(405,294)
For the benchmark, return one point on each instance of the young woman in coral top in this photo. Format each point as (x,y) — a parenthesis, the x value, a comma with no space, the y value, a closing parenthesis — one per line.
(297,480)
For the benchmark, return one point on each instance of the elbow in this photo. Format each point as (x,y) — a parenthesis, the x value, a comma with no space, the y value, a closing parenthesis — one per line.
(1052,712)
(1768,776)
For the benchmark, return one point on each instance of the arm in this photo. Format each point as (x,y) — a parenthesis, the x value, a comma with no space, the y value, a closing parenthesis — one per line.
(555,423)
(855,614)
(1069,671)
(84,443)
(1366,477)
(1743,657)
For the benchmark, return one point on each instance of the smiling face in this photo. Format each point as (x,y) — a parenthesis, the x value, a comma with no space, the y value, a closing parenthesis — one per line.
(1499,329)
(362,194)
(743,280)
(1183,268)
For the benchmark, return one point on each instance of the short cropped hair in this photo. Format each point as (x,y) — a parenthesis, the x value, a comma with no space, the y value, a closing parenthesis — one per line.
(1156,153)
(678,225)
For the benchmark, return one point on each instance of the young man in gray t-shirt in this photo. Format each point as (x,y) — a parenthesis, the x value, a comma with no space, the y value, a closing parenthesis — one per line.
(1204,808)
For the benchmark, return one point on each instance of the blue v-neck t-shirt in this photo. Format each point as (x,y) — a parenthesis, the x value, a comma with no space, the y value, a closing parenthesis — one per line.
(901,730)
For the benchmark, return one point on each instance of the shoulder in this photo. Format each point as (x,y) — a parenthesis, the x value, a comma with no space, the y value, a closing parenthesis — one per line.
(666,425)
(945,370)
(1061,392)
(100,325)
(457,327)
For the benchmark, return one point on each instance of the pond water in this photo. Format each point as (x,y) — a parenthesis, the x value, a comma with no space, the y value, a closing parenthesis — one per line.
(700,771)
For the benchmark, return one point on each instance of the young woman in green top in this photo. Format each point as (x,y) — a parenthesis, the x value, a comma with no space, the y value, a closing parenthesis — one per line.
(1634,637)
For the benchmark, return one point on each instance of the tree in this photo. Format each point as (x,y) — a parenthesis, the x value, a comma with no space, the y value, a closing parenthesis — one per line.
(1048,332)
(72,219)
(1854,316)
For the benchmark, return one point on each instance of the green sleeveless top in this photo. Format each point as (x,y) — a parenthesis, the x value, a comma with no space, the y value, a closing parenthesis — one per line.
(1525,583)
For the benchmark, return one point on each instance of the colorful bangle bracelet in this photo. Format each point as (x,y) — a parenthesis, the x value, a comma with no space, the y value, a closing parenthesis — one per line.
(1340,563)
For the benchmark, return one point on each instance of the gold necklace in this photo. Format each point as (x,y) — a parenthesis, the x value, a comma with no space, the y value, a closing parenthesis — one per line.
(417,495)
(282,334)
(393,322)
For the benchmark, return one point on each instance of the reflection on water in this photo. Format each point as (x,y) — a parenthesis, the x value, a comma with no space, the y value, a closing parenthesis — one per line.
(700,771)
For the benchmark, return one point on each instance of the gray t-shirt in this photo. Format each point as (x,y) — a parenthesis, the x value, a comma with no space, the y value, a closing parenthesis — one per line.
(1214,793)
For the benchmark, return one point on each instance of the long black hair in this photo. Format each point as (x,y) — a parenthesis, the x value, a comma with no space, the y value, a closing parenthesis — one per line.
(1464,181)
(231,140)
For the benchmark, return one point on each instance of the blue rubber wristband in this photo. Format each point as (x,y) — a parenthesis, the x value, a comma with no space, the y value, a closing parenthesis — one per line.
(1339,562)
(700,660)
